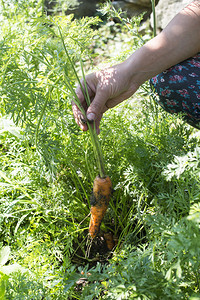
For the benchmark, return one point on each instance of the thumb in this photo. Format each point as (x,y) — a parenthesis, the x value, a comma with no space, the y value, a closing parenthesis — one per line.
(96,107)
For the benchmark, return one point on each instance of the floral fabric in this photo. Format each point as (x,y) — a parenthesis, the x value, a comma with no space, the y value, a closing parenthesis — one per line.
(178,90)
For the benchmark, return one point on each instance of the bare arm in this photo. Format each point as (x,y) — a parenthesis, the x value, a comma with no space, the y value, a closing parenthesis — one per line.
(177,42)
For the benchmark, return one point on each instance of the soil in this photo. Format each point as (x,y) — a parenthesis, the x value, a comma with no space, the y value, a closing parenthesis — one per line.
(97,250)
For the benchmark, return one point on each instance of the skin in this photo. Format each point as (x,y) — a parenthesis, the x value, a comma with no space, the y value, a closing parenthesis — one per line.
(109,87)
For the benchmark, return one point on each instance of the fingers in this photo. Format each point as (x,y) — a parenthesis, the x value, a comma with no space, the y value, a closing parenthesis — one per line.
(94,112)
(78,115)
(97,106)
(97,123)
(79,118)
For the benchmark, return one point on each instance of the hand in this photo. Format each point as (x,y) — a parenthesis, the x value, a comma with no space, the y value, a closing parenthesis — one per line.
(106,89)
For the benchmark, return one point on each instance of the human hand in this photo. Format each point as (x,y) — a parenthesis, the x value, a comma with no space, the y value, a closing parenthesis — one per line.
(106,89)
(109,87)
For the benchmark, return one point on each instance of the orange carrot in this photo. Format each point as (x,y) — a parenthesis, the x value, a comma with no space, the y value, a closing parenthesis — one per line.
(102,190)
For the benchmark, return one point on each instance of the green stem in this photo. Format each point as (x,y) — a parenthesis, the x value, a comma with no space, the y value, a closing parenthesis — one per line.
(42,7)
(71,62)
(154,17)
(93,134)
(43,111)
(92,129)
(40,119)
(75,98)
(87,98)
(3,5)
(97,150)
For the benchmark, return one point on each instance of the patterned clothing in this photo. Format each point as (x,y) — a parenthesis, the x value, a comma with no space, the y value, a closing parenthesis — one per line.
(178,90)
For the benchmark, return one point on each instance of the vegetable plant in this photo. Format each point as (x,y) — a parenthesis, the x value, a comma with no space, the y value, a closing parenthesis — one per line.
(148,243)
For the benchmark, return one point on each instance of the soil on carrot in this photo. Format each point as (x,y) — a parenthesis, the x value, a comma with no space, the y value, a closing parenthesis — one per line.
(97,250)
(102,191)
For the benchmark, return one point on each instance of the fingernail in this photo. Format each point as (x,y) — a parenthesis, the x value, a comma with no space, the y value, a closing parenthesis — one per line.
(91,116)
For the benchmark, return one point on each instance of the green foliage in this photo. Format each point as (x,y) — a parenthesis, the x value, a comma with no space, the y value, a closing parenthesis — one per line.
(33,67)
(47,169)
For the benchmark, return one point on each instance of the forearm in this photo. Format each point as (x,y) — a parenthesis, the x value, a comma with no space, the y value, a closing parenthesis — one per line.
(177,42)
(109,87)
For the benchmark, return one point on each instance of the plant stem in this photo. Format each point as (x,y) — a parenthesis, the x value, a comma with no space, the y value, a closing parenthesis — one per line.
(3,5)
(42,7)
(154,17)
(40,119)
(71,62)
(43,111)
(97,150)
(92,129)
(93,134)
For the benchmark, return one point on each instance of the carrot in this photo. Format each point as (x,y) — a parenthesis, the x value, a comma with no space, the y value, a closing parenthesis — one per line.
(102,190)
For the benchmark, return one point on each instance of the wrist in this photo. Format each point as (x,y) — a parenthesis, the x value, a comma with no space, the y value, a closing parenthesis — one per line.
(150,60)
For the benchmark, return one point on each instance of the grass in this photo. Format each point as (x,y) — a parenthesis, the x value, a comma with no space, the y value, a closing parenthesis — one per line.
(47,167)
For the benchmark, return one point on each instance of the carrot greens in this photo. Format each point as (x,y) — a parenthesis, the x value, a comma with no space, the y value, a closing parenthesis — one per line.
(92,129)
(46,167)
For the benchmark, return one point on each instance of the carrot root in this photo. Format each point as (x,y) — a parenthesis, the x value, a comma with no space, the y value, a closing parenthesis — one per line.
(102,190)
